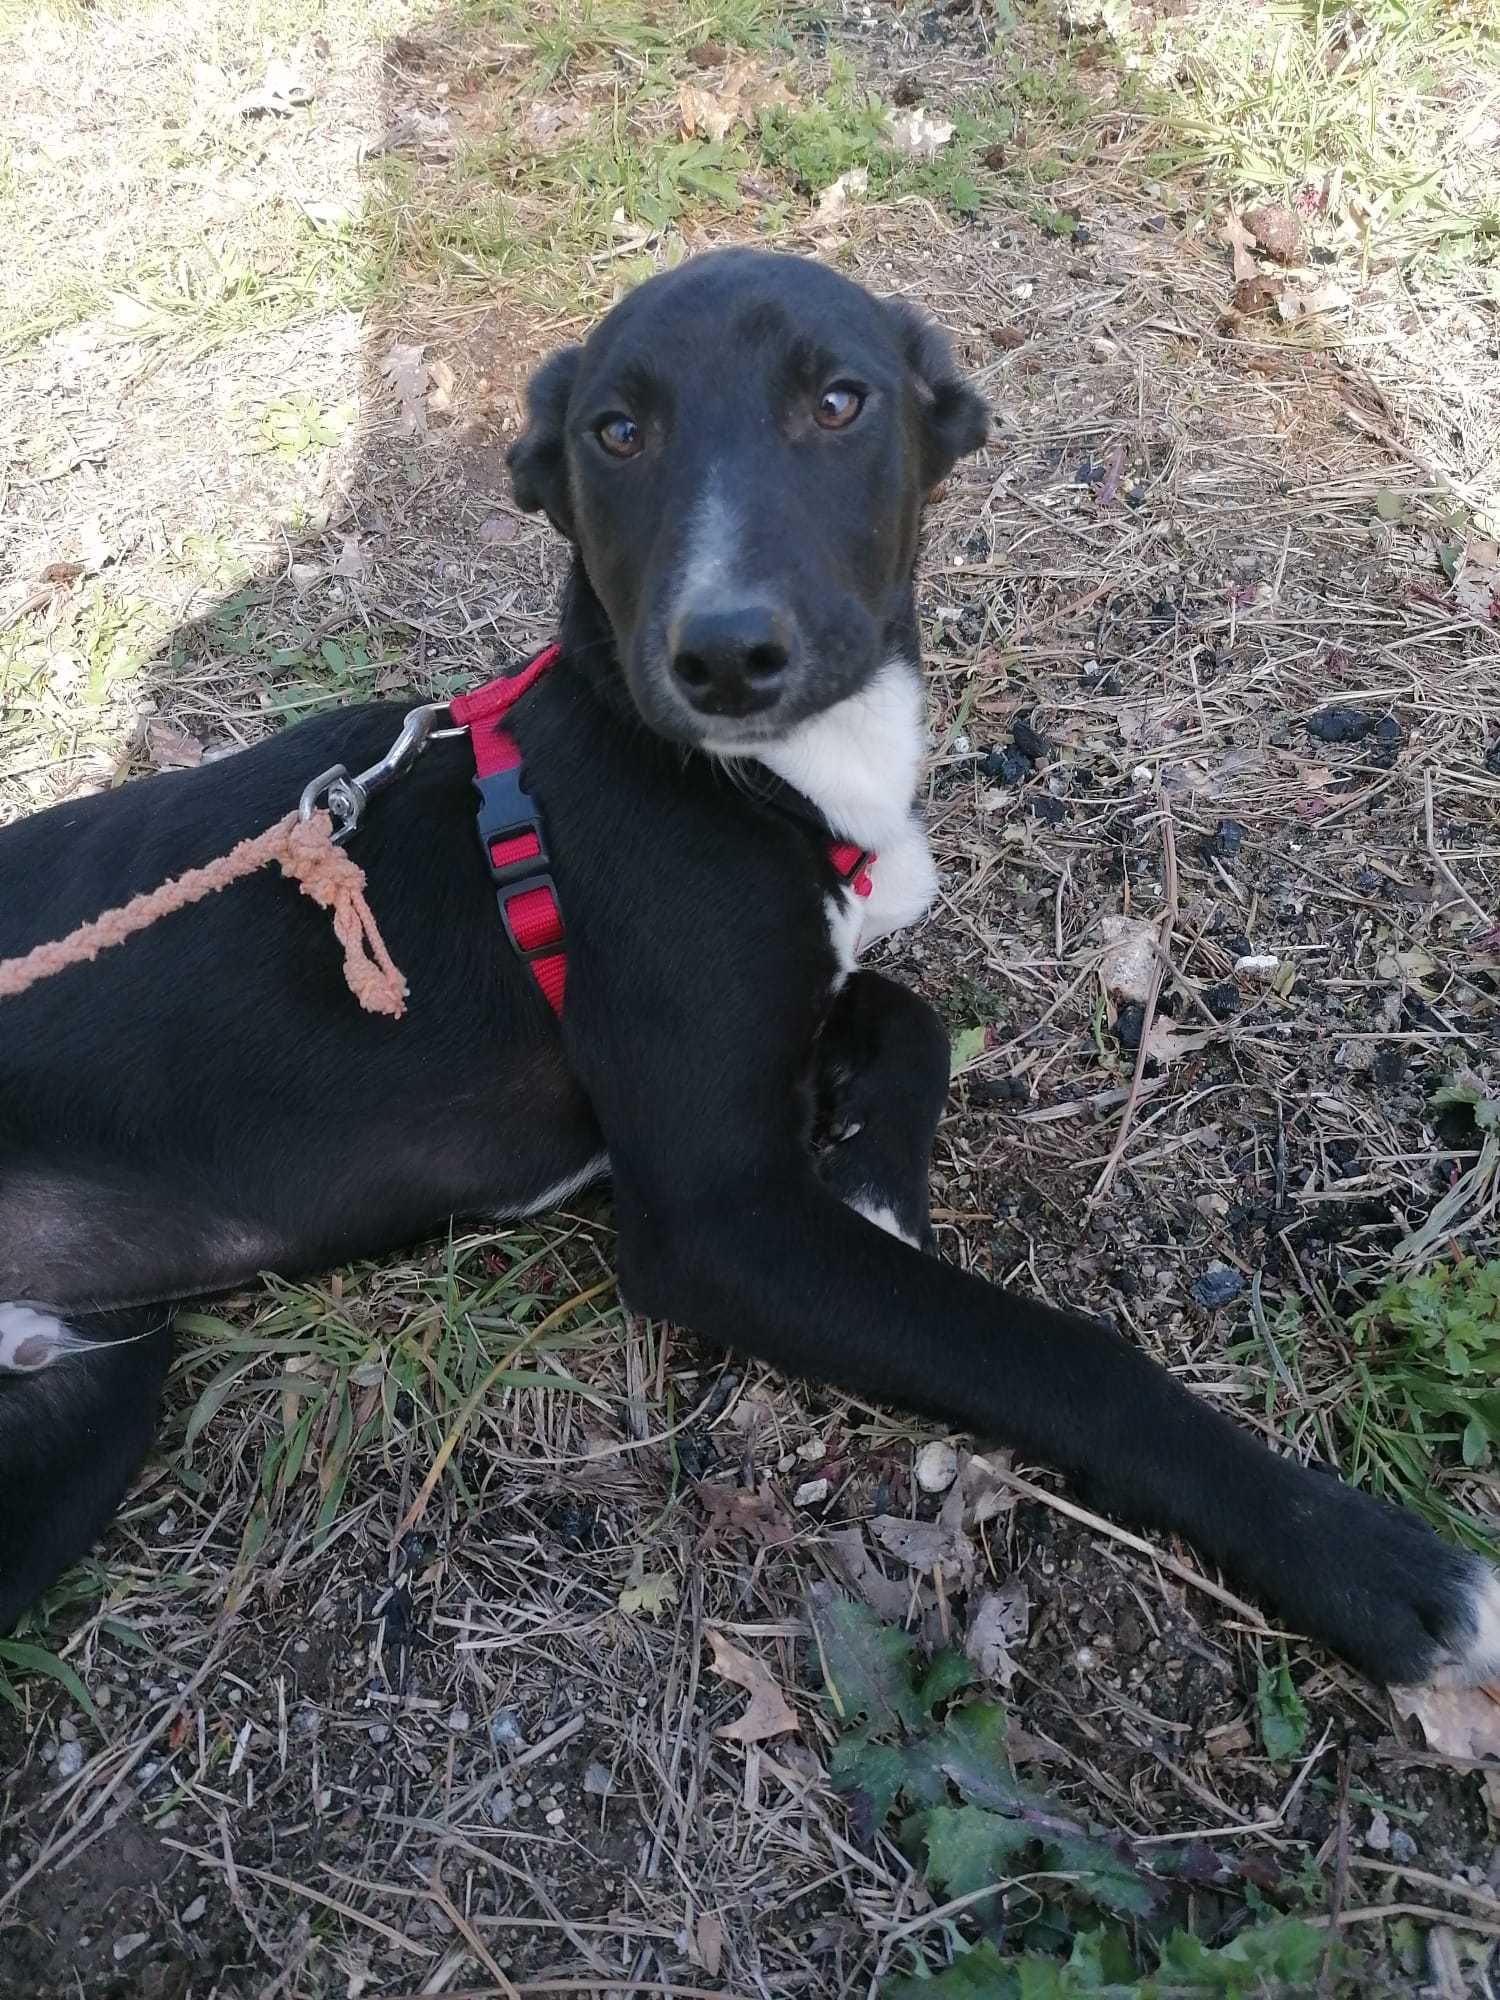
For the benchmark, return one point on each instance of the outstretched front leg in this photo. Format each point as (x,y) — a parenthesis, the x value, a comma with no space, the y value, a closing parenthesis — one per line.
(882,1083)
(726,1227)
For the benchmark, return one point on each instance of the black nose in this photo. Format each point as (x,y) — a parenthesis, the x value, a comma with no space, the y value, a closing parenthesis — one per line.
(732,661)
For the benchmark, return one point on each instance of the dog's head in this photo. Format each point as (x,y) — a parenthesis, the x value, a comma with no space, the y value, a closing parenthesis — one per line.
(740,453)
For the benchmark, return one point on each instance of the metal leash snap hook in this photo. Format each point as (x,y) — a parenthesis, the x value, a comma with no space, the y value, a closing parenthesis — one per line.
(346,798)
(339,794)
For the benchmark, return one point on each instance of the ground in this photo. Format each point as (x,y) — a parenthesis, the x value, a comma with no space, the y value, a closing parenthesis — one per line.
(392,1677)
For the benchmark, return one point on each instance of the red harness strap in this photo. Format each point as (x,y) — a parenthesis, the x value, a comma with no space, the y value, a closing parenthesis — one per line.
(510,828)
(514,841)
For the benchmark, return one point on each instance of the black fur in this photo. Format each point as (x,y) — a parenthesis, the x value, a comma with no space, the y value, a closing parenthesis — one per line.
(208,1102)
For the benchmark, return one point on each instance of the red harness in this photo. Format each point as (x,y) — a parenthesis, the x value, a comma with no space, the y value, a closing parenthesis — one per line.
(514,840)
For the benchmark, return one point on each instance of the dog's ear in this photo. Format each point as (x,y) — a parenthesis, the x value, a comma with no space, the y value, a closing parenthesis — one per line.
(537,461)
(955,418)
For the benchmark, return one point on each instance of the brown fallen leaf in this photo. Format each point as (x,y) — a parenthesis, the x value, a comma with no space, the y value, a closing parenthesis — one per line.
(889,1599)
(1007,336)
(1476,584)
(1241,243)
(171,748)
(708,1940)
(1257,294)
(1457,1722)
(408,374)
(1294,302)
(769,1712)
(926,1545)
(1167,1044)
(743,1511)
(440,395)
(997,1627)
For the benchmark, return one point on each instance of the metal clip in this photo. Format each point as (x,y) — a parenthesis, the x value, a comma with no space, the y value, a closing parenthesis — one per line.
(345,798)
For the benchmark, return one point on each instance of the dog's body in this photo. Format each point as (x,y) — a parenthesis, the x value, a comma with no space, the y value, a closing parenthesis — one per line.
(740,454)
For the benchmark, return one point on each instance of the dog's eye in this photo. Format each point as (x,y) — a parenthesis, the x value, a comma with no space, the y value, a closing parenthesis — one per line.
(620,436)
(839,406)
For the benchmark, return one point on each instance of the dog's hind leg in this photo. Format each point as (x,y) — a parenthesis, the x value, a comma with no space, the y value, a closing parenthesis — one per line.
(882,1079)
(78,1397)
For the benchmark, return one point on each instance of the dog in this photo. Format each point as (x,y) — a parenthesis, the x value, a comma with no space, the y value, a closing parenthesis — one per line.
(739,455)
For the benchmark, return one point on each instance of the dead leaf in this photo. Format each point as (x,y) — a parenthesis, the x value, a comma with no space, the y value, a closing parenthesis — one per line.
(1257,294)
(1279,231)
(745,91)
(1129,960)
(63,572)
(742,1511)
(644,1595)
(1476,582)
(708,1939)
(353,563)
(918,133)
(496,528)
(1295,302)
(702,111)
(408,374)
(1457,1722)
(925,1545)
(547,122)
(889,1599)
(1241,243)
(280,92)
(836,198)
(440,395)
(769,1712)
(171,748)
(1166,1043)
(996,1629)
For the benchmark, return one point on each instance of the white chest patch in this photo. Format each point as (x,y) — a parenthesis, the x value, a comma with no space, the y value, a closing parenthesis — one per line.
(859,763)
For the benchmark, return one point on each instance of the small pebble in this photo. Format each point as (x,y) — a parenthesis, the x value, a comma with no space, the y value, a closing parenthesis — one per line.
(1403,1847)
(597,1781)
(556,1816)
(1217,1286)
(811,1494)
(194,1910)
(70,1759)
(1378,1838)
(936,1467)
(505,1729)
(124,1946)
(501,1804)
(379,1732)
(457,1720)
(1260,965)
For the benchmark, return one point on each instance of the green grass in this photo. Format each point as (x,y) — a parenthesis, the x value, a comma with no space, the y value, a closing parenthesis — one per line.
(1405,1392)
(1358,114)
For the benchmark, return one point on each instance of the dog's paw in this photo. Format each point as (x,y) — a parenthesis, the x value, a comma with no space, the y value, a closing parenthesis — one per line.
(1375,1583)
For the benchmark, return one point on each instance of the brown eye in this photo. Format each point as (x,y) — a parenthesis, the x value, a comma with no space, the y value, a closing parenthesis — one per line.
(839,406)
(620,437)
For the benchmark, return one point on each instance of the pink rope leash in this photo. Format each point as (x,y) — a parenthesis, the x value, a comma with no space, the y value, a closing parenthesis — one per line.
(304,852)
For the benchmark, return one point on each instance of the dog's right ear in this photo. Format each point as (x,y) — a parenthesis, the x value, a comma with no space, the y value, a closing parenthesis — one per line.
(537,461)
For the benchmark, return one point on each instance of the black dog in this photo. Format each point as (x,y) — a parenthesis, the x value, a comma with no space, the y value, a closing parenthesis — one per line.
(740,456)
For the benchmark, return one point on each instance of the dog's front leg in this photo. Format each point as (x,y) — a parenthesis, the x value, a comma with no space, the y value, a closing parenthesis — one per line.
(882,1083)
(746,1246)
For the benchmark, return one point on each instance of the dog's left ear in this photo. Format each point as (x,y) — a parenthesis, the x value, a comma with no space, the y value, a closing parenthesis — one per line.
(537,460)
(955,418)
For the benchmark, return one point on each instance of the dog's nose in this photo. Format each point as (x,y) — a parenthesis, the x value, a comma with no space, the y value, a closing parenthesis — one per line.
(732,661)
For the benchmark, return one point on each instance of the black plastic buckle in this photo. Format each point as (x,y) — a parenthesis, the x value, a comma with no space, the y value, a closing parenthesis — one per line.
(505,811)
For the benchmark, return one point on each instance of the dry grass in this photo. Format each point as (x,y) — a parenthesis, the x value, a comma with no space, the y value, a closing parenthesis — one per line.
(364,1685)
